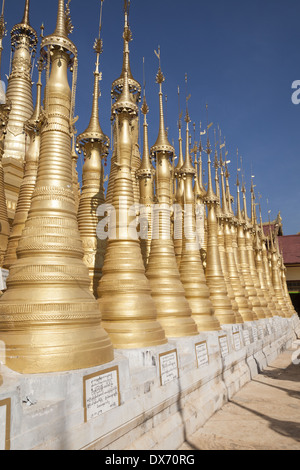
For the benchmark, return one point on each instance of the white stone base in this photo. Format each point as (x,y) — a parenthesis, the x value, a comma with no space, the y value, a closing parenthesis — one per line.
(155,411)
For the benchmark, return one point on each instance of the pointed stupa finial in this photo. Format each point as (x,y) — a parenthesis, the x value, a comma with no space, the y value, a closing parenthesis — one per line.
(60,37)
(146,162)
(187,166)
(225,208)
(125,101)
(94,131)
(162,144)
(61,26)
(239,210)
(180,156)
(210,194)
(263,236)
(253,208)
(38,103)
(228,193)
(25,19)
(243,190)
(134,86)
(24,29)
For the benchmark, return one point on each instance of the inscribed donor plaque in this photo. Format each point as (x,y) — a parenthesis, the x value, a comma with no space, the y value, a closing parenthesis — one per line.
(254,332)
(246,337)
(168,367)
(5,424)
(237,341)
(101,392)
(223,345)
(202,354)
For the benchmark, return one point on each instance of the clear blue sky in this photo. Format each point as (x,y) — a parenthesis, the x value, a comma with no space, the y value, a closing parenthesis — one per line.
(241,57)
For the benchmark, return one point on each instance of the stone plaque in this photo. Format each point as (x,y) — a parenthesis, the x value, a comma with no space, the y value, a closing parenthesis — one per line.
(246,337)
(223,345)
(101,392)
(3,276)
(261,332)
(254,332)
(202,354)
(168,364)
(237,341)
(269,328)
(5,410)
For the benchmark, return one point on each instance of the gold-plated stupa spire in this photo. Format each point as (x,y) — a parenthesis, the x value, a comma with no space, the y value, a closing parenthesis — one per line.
(272,302)
(162,143)
(225,247)
(33,129)
(286,295)
(146,179)
(177,235)
(94,145)
(231,247)
(257,252)
(191,269)
(173,310)
(249,233)
(135,92)
(117,85)
(129,313)
(214,274)
(276,277)
(243,258)
(49,320)
(19,92)
(200,193)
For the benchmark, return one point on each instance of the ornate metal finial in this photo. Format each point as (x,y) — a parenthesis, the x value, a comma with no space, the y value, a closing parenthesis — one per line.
(179,110)
(162,144)
(98,45)
(144,108)
(187,98)
(94,132)
(160,76)
(69,25)
(25,19)
(24,29)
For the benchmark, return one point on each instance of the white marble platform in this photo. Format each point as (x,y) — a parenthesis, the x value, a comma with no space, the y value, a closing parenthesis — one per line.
(146,398)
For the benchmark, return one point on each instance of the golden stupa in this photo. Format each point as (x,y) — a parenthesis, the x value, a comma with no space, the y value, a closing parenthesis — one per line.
(49,320)
(159,254)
